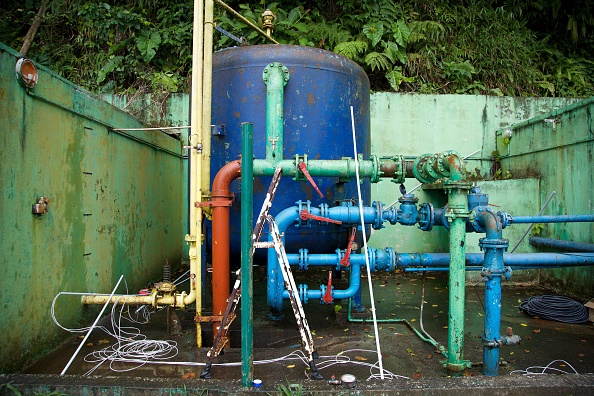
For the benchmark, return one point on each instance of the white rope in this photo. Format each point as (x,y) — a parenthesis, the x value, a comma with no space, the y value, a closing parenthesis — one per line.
(375,328)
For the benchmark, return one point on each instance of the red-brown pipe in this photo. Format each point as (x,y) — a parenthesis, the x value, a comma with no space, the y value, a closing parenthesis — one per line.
(220,237)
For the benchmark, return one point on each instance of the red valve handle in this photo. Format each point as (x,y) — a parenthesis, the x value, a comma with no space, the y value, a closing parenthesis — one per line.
(328,295)
(303,168)
(304,215)
(345,261)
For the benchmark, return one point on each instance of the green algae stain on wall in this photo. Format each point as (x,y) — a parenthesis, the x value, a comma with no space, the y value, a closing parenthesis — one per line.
(55,142)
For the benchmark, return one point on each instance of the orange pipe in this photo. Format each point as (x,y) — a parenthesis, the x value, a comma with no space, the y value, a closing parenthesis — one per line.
(220,237)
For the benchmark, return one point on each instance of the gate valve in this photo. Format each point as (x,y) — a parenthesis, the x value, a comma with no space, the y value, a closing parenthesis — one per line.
(327,299)
(303,168)
(305,215)
(345,261)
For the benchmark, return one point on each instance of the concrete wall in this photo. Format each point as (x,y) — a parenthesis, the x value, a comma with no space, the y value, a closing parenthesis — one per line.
(114,207)
(409,124)
(560,154)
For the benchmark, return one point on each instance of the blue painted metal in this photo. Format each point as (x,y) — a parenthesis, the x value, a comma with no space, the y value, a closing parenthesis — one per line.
(322,87)
(348,214)
(493,245)
(568,246)
(354,287)
(552,219)
(518,261)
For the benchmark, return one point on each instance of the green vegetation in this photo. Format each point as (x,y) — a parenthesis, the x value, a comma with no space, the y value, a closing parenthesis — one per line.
(506,47)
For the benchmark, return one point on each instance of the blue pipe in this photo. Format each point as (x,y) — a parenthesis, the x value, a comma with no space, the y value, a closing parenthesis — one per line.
(552,219)
(290,216)
(518,261)
(567,246)
(493,245)
(354,285)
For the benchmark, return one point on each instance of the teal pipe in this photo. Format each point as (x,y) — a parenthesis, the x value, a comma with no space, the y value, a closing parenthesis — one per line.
(247,277)
(275,76)
(457,214)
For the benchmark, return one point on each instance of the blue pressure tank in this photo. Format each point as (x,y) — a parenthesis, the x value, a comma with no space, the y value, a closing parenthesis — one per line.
(317,121)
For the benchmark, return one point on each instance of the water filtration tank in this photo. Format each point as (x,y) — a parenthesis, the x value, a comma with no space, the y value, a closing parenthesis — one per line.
(317,122)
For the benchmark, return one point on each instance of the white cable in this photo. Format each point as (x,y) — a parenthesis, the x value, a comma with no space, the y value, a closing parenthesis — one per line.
(543,370)
(377,341)
(92,326)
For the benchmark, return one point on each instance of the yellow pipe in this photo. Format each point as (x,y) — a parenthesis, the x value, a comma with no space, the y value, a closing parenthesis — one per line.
(207,98)
(200,132)
(195,236)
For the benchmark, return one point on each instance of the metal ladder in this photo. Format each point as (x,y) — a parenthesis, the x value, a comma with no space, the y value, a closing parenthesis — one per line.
(222,338)
(304,331)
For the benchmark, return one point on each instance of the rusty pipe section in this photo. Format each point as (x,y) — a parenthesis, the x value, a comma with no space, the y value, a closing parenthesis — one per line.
(222,197)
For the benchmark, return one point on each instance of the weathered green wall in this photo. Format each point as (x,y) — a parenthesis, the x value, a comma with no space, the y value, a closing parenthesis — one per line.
(409,124)
(114,207)
(560,154)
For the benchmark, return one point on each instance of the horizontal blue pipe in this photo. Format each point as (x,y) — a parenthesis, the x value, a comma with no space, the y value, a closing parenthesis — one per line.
(354,284)
(517,260)
(568,246)
(553,219)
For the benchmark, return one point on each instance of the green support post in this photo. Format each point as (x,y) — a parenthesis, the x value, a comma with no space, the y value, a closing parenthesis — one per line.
(247,286)
(275,76)
(457,214)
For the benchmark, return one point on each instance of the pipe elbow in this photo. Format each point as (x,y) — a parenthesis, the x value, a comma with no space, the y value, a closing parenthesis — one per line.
(222,181)
(456,165)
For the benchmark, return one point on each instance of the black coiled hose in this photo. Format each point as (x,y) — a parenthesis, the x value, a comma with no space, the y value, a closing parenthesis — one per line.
(557,308)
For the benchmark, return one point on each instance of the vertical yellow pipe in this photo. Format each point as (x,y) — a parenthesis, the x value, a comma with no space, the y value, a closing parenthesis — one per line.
(196,164)
(207,95)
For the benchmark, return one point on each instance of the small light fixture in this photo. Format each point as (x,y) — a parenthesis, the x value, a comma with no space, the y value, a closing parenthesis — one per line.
(26,72)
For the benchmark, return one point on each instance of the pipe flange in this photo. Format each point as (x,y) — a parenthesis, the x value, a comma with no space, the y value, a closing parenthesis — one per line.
(378,223)
(419,169)
(303,293)
(441,160)
(303,259)
(297,159)
(376,172)
(427,217)
(339,255)
(267,73)
(372,259)
(487,243)
(303,206)
(505,218)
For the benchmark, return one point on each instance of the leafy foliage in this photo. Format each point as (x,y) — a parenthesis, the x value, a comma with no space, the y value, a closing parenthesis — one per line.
(497,47)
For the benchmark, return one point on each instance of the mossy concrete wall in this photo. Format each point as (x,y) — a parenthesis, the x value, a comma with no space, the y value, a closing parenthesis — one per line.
(557,147)
(114,207)
(410,124)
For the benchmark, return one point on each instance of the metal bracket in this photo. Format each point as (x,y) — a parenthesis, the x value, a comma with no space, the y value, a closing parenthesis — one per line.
(208,319)
(212,204)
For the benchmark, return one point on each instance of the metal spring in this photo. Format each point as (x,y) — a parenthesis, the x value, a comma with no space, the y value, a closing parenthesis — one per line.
(167,272)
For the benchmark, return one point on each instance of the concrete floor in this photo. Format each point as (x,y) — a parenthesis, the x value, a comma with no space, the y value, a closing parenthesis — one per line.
(404,354)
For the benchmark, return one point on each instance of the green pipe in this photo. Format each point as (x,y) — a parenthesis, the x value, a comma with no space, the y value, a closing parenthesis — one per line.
(396,320)
(457,214)
(275,76)
(247,276)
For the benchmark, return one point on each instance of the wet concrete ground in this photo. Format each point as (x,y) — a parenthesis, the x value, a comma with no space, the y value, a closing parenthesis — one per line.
(346,348)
